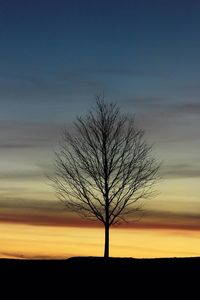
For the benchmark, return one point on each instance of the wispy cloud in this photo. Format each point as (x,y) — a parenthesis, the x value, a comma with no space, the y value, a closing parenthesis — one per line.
(26,255)
(22,175)
(189,90)
(181,171)
(29,134)
(48,86)
(38,218)
(19,145)
(130,72)
(187,108)
(18,204)
(169,122)
(52,213)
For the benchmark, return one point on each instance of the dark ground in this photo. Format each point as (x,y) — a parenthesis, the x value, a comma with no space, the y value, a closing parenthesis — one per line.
(91,265)
(117,275)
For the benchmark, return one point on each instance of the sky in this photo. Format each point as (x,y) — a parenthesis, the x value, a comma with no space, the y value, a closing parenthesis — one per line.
(55,56)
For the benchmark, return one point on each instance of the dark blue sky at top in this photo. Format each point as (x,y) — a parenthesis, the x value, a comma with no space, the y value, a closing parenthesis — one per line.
(55,55)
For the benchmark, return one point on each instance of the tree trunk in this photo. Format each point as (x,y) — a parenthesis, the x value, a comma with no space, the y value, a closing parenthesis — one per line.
(106,246)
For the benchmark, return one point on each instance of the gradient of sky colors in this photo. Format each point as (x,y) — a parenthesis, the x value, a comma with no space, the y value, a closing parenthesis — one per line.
(54,57)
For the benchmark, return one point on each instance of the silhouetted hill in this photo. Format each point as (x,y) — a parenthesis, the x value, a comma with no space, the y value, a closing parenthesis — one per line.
(91,265)
(96,272)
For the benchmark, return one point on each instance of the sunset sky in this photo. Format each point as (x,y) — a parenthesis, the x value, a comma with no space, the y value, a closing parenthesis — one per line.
(55,56)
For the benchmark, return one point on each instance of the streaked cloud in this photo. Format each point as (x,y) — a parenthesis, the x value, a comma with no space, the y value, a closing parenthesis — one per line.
(130,72)
(187,108)
(31,204)
(180,171)
(21,175)
(26,255)
(12,146)
(44,218)
(189,89)
(49,87)
(28,134)
(53,213)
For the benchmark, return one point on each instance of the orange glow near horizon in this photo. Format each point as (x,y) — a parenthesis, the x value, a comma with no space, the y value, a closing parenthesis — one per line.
(27,241)
(34,224)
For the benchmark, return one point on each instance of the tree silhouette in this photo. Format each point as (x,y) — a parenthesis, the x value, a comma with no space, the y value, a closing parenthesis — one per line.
(104,166)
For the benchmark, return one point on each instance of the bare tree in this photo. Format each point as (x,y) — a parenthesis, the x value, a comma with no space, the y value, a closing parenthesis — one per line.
(104,166)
